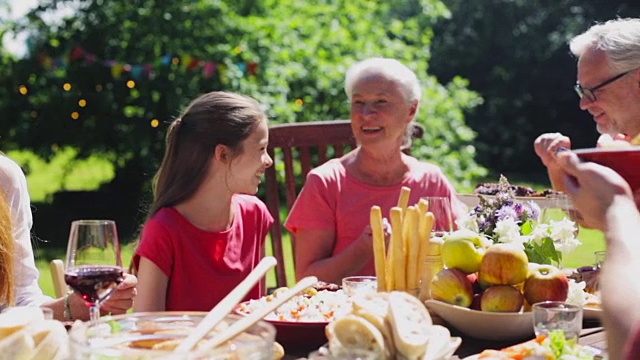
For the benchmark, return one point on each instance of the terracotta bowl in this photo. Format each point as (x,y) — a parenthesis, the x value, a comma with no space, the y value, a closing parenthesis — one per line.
(625,162)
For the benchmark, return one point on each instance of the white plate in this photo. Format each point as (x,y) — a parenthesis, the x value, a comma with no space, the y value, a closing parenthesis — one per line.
(594,351)
(484,325)
(591,313)
(471,200)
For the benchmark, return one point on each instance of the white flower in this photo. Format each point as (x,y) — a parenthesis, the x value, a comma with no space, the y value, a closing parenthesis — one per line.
(576,294)
(508,231)
(468,222)
(562,230)
(540,233)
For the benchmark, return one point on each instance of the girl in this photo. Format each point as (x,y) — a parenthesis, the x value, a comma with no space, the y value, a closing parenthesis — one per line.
(206,229)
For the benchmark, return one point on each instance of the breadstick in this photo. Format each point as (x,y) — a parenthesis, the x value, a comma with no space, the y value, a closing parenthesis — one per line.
(379,251)
(412,248)
(397,251)
(425,241)
(403,199)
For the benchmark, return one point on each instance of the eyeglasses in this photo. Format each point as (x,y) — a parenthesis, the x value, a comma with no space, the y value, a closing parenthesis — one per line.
(590,93)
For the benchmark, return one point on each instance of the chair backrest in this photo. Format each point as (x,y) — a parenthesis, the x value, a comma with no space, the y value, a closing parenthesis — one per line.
(301,147)
(57,274)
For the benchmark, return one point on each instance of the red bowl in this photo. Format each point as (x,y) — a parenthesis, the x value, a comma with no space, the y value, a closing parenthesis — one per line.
(298,336)
(625,162)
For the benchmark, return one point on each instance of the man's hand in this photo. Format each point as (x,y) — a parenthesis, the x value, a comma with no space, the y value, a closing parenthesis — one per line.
(546,146)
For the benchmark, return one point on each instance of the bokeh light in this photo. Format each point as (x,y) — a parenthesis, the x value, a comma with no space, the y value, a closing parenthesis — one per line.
(155,123)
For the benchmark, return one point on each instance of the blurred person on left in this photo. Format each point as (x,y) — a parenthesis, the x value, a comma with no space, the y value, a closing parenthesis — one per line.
(18,272)
(330,218)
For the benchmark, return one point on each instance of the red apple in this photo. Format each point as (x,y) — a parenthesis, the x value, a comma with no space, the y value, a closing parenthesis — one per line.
(545,283)
(501,298)
(453,287)
(504,264)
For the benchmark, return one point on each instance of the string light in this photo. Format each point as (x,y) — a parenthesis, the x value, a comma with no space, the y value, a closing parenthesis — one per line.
(66,87)
(75,115)
(155,123)
(23,90)
(131,84)
(175,60)
(299,102)
(98,88)
(82,103)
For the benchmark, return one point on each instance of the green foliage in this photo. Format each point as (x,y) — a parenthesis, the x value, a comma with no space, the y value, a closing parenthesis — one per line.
(301,52)
(515,54)
(64,171)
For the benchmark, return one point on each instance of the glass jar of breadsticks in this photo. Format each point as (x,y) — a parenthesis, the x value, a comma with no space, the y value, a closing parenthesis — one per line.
(412,256)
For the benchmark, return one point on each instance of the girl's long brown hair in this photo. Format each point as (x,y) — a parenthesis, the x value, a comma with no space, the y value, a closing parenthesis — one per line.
(212,119)
(7,269)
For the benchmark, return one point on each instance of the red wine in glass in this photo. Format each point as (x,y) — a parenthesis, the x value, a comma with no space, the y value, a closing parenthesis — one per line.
(94,282)
(94,265)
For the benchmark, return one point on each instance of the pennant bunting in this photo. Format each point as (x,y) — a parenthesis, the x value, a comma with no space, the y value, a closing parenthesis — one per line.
(138,71)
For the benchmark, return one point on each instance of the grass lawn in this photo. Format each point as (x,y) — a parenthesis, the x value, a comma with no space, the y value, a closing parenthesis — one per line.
(592,241)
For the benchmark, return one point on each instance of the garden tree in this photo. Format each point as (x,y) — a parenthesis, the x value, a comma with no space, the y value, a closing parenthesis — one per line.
(109,78)
(515,54)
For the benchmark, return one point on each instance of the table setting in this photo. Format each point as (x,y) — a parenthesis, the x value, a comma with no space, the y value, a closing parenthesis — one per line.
(495,286)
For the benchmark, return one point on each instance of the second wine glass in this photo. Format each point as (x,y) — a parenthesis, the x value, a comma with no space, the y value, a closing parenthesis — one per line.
(93,264)
(441,209)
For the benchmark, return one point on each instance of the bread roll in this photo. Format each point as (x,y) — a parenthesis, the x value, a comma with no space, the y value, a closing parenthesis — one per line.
(410,322)
(352,332)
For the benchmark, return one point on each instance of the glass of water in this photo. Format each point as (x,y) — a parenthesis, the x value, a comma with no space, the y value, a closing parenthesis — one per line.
(557,315)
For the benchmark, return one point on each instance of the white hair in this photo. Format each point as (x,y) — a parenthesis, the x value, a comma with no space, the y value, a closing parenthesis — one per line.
(389,68)
(619,39)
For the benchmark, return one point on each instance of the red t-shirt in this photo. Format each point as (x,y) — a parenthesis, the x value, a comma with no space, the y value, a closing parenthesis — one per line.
(332,199)
(202,266)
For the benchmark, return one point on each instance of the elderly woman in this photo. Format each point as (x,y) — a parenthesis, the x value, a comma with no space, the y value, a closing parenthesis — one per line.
(330,218)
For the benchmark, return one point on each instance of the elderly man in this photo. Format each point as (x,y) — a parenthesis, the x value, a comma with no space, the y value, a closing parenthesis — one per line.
(608,86)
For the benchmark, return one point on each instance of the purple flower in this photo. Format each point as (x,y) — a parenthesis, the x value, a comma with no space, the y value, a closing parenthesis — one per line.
(507,212)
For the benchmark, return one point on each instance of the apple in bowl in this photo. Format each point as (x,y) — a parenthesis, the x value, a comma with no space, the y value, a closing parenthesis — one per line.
(463,249)
(504,264)
(545,283)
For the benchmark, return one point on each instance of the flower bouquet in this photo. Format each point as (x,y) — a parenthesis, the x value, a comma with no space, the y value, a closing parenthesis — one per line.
(504,219)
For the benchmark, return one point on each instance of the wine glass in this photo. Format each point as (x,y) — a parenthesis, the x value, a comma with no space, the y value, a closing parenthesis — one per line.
(94,265)
(441,209)
(559,208)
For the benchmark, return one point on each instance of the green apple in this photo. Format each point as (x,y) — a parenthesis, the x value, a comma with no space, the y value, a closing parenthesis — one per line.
(504,264)
(501,298)
(463,250)
(452,286)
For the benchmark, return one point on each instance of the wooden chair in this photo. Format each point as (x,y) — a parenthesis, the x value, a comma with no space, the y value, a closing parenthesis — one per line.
(301,147)
(57,273)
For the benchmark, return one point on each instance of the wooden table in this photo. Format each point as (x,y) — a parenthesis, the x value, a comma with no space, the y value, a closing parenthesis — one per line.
(592,334)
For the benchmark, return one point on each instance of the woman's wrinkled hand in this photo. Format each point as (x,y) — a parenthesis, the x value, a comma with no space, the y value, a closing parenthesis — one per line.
(122,298)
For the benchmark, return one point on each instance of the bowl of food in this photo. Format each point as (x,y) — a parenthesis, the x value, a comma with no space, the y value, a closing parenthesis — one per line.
(624,161)
(154,335)
(300,322)
(484,325)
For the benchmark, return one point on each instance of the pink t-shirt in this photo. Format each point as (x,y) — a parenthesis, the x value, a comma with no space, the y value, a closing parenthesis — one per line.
(203,267)
(332,199)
